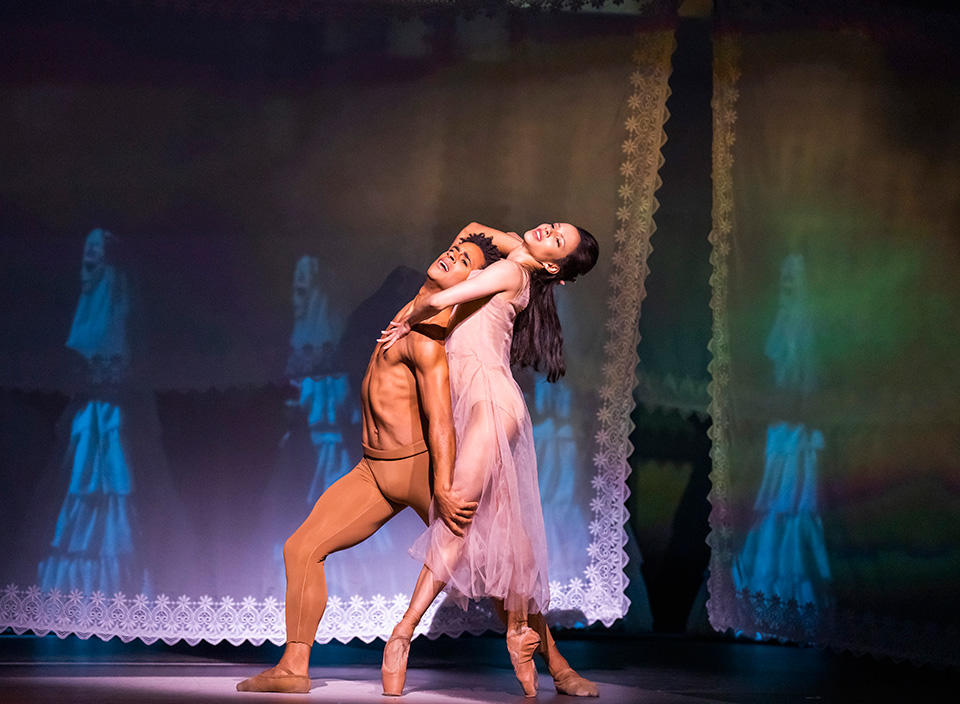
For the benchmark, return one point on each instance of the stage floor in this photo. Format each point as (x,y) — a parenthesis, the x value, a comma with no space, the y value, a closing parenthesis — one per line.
(359,685)
(650,669)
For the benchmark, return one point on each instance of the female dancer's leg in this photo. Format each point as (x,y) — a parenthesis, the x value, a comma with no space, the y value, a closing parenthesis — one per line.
(476,454)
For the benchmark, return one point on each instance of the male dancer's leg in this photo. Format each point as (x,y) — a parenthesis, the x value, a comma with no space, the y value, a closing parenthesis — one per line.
(347,513)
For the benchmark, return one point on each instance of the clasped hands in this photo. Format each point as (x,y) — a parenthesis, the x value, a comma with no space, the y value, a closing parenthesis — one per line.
(453,509)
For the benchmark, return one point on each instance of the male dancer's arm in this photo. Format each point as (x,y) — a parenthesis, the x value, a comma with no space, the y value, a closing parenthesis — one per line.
(433,388)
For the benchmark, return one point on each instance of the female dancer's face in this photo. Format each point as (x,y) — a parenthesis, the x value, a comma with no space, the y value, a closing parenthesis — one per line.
(549,243)
(454,265)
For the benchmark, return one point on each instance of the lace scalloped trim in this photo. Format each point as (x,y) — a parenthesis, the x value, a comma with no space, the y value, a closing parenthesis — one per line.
(763,617)
(647,114)
(726,73)
(684,394)
(248,619)
(753,613)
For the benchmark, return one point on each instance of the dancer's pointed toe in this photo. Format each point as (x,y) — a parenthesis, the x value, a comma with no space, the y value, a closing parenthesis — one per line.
(289,684)
(569,682)
(393,671)
(522,644)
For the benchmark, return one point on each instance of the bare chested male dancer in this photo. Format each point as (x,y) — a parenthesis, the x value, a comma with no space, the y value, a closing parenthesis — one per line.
(404,393)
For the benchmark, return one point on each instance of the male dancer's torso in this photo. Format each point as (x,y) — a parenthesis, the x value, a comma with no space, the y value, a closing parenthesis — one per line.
(391,402)
(407,436)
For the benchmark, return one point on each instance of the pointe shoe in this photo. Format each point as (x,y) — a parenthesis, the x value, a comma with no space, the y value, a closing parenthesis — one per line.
(522,645)
(393,676)
(568,682)
(289,684)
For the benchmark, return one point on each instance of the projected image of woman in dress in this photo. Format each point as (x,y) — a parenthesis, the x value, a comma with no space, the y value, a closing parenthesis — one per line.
(321,418)
(312,451)
(121,511)
(95,543)
(784,554)
(324,392)
(561,468)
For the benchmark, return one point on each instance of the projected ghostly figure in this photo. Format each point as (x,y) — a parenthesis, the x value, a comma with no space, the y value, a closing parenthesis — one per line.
(559,469)
(790,342)
(324,393)
(99,329)
(314,328)
(94,546)
(324,409)
(784,553)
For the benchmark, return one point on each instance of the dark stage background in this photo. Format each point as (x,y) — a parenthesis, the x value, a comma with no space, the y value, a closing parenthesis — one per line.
(208,219)
(275,185)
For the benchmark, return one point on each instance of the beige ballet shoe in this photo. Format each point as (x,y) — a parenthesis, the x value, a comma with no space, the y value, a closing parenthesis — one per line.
(289,684)
(394,675)
(568,682)
(521,645)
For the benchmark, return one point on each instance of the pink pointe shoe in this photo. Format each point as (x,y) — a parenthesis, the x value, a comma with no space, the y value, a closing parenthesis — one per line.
(521,645)
(393,671)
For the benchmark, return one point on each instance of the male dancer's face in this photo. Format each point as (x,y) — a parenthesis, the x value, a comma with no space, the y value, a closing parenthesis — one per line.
(454,265)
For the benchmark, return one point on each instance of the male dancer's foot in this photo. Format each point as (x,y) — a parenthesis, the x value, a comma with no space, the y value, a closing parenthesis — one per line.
(290,675)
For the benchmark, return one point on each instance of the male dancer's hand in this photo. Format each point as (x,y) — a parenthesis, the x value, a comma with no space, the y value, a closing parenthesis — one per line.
(453,510)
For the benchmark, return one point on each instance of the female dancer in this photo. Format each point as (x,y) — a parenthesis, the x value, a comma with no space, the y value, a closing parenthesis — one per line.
(505,314)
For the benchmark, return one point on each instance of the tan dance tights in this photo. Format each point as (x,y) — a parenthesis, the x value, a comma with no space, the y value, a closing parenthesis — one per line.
(349,512)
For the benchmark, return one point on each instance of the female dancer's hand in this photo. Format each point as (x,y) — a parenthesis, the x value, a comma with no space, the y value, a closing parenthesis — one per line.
(453,510)
(396,330)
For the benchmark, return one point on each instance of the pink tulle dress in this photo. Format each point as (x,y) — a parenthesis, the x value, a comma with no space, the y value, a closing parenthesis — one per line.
(504,552)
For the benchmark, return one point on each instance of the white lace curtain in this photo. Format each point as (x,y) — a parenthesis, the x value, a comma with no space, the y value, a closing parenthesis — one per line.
(158,511)
(835,379)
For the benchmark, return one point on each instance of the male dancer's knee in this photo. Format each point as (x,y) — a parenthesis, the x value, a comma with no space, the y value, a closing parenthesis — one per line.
(298,552)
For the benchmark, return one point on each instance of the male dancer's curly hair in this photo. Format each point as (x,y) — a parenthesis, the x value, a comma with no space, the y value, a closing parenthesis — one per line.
(490,252)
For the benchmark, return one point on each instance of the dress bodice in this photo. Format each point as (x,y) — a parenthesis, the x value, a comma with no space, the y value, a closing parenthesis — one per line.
(487,333)
(504,551)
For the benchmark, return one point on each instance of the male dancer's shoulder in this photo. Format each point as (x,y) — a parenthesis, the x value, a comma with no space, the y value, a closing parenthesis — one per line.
(432,331)
(425,344)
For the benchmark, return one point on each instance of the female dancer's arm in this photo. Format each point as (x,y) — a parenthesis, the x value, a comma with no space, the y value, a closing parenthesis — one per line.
(496,278)
(506,242)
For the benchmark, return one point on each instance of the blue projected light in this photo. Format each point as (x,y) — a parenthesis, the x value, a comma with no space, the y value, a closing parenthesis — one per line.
(784,553)
(95,543)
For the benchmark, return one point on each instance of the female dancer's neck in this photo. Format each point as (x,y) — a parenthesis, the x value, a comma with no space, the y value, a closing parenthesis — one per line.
(521,255)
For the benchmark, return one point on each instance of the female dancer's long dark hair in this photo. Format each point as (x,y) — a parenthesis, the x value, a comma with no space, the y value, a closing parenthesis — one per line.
(537,336)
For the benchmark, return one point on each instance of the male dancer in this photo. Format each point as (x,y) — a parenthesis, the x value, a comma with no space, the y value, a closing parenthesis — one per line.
(409,448)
